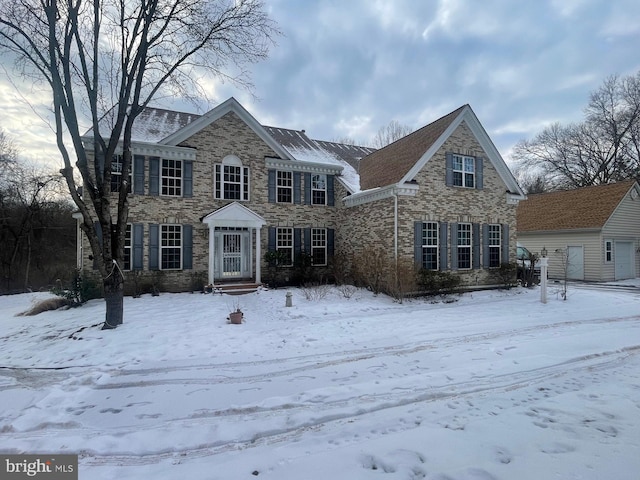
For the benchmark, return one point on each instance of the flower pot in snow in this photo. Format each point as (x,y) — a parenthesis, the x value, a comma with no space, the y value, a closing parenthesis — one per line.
(236,318)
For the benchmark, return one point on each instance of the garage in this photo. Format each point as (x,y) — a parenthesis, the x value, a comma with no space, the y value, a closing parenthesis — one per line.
(624,260)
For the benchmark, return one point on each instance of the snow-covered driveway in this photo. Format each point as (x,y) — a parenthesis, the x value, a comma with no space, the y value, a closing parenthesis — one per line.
(492,386)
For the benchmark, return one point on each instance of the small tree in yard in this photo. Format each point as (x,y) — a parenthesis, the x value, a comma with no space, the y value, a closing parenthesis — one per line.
(105,60)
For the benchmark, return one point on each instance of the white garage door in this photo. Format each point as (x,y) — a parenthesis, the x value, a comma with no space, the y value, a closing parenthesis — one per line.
(575,267)
(623,255)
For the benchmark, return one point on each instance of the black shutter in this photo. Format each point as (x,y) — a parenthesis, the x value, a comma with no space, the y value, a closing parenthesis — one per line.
(307,189)
(479,173)
(154,246)
(297,186)
(307,241)
(154,176)
(417,243)
(138,241)
(187,247)
(454,246)
(505,244)
(449,169)
(271,185)
(485,245)
(297,242)
(138,174)
(475,242)
(187,179)
(271,244)
(443,242)
(330,191)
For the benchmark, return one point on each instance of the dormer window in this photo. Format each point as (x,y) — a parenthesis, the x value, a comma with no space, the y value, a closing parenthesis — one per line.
(231,179)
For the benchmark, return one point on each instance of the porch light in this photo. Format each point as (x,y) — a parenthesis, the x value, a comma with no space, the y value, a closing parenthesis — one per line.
(544,252)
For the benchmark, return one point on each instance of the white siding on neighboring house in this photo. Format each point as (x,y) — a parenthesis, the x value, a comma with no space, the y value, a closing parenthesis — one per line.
(556,244)
(623,227)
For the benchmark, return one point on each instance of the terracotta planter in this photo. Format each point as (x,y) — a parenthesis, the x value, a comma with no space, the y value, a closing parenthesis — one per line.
(236,317)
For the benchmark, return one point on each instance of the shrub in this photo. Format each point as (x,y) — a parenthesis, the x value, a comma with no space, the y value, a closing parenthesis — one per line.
(506,274)
(46,305)
(371,267)
(401,281)
(346,290)
(315,291)
(433,282)
(81,289)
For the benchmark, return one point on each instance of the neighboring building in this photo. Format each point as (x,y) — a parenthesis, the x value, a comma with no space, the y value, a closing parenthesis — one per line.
(593,232)
(212,193)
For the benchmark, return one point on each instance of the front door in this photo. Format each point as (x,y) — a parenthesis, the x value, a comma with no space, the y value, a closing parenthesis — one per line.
(625,261)
(231,255)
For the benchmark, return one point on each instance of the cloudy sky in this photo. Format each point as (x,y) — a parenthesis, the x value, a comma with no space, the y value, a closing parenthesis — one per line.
(344,68)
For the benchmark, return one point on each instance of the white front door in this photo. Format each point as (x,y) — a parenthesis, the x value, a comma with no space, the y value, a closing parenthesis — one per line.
(232,255)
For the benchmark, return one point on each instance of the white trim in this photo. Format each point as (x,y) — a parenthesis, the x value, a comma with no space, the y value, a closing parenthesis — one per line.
(300,166)
(169,152)
(234,215)
(380,193)
(485,142)
(230,105)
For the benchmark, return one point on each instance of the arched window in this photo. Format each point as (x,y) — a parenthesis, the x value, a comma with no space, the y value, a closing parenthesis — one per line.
(231,179)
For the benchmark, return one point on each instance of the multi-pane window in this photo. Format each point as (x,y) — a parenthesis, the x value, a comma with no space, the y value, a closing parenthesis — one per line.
(608,251)
(284,187)
(171,178)
(116,174)
(318,189)
(284,243)
(494,245)
(318,246)
(127,249)
(464,245)
(464,171)
(232,182)
(171,247)
(430,245)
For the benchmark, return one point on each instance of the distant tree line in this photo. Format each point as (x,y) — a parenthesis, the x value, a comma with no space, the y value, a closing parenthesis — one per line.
(603,148)
(37,231)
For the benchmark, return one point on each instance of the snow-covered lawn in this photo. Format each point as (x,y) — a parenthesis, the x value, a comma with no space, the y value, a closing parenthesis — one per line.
(494,385)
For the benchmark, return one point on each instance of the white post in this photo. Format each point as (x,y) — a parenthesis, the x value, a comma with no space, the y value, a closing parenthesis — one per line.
(258,255)
(544,263)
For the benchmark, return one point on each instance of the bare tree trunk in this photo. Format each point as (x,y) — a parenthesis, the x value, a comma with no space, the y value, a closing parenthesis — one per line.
(114,298)
(28,267)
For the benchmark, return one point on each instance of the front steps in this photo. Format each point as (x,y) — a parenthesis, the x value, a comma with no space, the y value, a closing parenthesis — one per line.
(233,288)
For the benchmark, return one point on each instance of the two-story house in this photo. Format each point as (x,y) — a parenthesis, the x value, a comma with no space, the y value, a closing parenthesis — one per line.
(211,194)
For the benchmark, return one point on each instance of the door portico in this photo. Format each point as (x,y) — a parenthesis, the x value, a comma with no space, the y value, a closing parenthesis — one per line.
(233,254)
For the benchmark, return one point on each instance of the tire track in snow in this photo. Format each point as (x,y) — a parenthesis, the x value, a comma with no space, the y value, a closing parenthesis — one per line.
(341,410)
(324,360)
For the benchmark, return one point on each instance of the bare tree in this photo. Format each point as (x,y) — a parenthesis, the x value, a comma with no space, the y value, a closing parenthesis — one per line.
(390,133)
(109,59)
(604,148)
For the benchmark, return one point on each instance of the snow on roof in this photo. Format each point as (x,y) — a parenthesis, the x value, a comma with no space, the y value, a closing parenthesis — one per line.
(305,149)
(155,124)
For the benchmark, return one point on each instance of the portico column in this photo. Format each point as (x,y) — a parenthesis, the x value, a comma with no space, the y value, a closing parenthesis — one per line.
(258,255)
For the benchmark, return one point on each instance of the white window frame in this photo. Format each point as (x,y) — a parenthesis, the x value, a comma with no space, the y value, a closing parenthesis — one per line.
(284,186)
(221,170)
(608,251)
(319,243)
(165,230)
(117,172)
(464,171)
(318,186)
(495,243)
(465,243)
(171,185)
(430,241)
(284,242)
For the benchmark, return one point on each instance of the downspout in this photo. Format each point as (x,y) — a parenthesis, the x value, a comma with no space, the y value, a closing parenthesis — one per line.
(395,232)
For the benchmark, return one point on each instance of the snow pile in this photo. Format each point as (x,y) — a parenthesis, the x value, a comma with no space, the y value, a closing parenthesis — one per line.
(491,385)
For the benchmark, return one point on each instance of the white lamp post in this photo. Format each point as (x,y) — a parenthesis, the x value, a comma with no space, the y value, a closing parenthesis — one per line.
(544,263)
